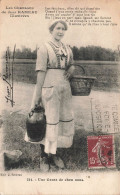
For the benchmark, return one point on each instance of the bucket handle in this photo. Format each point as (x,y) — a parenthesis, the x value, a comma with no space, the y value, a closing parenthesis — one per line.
(37,107)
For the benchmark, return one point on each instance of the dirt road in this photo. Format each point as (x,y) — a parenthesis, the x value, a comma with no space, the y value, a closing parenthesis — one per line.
(82,105)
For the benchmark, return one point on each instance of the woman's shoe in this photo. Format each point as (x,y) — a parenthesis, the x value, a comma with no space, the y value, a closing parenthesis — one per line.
(44,164)
(57,161)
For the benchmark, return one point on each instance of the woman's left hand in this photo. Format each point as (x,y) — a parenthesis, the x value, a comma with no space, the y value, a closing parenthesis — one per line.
(69,73)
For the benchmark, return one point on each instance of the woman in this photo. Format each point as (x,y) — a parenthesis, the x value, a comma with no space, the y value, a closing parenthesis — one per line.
(54,68)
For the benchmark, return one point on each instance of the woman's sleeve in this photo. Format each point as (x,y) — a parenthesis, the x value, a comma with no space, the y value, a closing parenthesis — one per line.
(42,58)
(71,61)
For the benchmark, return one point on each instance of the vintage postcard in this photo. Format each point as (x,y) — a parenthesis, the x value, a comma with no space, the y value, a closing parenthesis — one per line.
(59,97)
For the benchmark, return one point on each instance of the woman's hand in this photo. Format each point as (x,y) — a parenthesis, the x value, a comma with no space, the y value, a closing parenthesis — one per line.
(37,104)
(69,73)
(37,95)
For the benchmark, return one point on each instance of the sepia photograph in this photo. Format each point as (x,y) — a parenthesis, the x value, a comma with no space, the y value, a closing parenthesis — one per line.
(59,97)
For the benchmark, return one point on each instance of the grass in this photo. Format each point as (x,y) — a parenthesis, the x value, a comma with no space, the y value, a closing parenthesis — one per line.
(107,73)
(75,158)
(14,124)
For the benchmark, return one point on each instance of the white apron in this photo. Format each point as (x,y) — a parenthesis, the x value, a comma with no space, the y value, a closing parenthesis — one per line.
(57,101)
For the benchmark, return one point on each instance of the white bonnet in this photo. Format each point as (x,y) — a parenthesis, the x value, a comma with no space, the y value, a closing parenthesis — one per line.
(52,22)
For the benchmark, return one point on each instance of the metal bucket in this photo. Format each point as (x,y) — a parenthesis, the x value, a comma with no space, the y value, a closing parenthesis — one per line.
(36,125)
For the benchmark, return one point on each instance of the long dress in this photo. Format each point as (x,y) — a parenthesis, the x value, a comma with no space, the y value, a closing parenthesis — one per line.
(56,96)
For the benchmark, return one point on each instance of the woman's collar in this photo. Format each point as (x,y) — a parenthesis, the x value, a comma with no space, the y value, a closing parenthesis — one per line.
(59,47)
(55,43)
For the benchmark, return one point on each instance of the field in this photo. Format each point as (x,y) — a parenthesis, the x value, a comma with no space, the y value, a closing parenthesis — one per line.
(14,119)
(107,73)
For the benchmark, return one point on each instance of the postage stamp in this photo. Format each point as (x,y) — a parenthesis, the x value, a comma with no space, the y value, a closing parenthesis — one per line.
(101,151)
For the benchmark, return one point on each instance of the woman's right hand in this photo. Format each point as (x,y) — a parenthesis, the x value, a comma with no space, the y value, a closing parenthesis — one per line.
(37,96)
(35,105)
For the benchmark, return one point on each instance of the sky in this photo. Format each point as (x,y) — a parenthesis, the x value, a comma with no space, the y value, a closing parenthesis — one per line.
(32,31)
